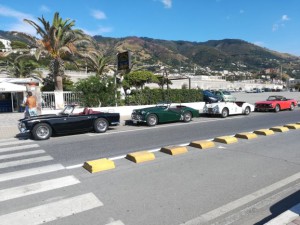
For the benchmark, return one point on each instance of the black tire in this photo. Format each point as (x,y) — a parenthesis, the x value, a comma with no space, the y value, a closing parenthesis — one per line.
(101,125)
(152,120)
(187,117)
(224,113)
(41,131)
(247,111)
(277,108)
(292,107)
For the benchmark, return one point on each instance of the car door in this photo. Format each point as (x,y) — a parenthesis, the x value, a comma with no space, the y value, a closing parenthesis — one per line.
(72,123)
(168,115)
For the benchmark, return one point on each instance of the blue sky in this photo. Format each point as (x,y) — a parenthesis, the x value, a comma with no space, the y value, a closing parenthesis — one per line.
(274,24)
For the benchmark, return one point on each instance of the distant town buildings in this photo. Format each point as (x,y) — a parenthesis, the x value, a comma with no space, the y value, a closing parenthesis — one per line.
(7,45)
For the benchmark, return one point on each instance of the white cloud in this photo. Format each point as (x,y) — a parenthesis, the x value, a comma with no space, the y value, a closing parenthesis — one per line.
(275,27)
(99,15)
(19,24)
(99,31)
(281,23)
(285,18)
(45,9)
(167,3)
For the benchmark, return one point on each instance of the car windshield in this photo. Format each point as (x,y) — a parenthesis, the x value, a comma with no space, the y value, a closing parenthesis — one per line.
(68,110)
(163,104)
(226,93)
(273,98)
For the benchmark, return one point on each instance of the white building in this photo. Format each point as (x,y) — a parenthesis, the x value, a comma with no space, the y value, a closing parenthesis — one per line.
(7,45)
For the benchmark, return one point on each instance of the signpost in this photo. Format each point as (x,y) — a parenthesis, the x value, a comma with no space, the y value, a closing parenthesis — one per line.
(124,60)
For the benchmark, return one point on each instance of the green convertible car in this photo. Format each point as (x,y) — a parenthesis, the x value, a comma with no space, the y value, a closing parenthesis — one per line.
(162,113)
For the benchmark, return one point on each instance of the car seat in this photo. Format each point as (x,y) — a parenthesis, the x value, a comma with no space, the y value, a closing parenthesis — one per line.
(85,111)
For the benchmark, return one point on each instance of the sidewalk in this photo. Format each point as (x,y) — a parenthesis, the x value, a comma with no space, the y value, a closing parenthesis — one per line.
(9,124)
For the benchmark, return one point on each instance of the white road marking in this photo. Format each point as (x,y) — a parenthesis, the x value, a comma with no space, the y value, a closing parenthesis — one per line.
(25,190)
(8,139)
(242,201)
(30,172)
(52,211)
(25,161)
(118,222)
(14,155)
(16,148)
(74,166)
(15,142)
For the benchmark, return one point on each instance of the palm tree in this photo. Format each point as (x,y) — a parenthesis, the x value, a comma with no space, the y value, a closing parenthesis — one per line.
(96,62)
(58,40)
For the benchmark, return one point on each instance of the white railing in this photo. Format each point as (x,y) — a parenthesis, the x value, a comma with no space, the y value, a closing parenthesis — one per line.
(48,98)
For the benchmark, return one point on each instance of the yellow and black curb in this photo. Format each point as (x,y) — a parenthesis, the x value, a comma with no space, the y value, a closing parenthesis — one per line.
(264,132)
(279,129)
(246,135)
(294,126)
(104,164)
(226,139)
(174,150)
(204,144)
(99,165)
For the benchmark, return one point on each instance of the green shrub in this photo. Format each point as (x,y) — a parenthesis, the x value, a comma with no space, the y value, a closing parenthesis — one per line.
(153,96)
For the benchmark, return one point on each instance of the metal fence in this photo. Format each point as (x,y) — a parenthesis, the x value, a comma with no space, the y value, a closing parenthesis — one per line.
(48,98)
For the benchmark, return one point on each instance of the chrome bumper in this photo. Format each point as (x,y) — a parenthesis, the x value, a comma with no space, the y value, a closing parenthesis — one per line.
(22,128)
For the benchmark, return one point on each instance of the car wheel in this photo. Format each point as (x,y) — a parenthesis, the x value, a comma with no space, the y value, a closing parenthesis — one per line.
(292,107)
(152,120)
(187,116)
(247,111)
(101,125)
(41,131)
(277,108)
(224,113)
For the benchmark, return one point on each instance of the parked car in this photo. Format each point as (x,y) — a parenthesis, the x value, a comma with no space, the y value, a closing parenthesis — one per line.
(224,95)
(41,127)
(225,109)
(276,103)
(209,97)
(162,113)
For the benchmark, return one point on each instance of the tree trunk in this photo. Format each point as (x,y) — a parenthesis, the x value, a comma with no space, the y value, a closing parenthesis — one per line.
(57,69)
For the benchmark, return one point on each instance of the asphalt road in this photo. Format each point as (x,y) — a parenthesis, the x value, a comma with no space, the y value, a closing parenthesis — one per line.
(248,182)
(76,149)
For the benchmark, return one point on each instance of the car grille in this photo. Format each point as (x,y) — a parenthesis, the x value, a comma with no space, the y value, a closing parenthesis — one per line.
(263,106)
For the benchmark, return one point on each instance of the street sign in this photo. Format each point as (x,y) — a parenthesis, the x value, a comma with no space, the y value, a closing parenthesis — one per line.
(124,61)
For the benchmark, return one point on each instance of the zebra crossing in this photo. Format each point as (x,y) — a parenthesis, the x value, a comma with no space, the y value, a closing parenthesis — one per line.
(32,192)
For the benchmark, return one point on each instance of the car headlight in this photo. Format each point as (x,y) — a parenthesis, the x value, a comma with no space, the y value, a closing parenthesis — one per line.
(216,109)
(143,112)
(22,127)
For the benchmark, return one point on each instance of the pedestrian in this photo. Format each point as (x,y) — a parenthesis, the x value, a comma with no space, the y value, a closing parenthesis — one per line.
(31,103)
(26,108)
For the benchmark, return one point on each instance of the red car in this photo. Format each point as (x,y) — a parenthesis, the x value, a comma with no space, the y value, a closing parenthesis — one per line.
(276,103)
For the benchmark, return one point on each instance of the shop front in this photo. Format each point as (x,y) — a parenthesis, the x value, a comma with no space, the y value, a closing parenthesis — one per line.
(11,97)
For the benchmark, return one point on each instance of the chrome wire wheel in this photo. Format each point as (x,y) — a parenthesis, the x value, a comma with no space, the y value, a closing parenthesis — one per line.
(101,125)
(187,117)
(41,131)
(247,111)
(152,120)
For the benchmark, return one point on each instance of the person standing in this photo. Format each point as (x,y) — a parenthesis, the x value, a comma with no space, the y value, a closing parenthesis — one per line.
(31,103)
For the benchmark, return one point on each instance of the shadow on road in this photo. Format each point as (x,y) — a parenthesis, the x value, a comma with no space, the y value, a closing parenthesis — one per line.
(281,206)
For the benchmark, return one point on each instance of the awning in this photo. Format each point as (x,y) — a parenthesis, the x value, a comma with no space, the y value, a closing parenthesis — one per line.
(10,87)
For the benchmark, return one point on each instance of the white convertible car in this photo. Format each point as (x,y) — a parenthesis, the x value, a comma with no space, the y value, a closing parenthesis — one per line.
(228,108)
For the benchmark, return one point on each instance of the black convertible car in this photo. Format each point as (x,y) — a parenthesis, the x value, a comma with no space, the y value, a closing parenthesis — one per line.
(41,127)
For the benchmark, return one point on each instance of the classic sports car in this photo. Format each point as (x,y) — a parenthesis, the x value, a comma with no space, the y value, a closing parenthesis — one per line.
(224,95)
(41,127)
(162,113)
(209,97)
(276,103)
(228,108)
